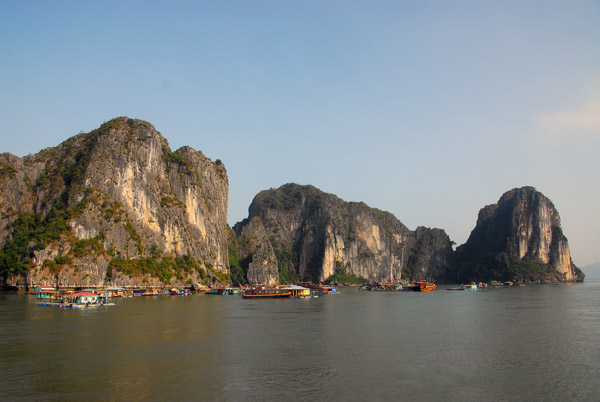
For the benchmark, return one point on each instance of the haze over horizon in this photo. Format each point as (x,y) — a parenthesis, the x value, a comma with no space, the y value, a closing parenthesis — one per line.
(429,110)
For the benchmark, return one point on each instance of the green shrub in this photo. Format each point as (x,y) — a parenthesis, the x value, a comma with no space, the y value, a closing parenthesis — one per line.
(341,276)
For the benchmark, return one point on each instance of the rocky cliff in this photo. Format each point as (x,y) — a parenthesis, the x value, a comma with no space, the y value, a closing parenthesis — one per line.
(113,207)
(519,237)
(314,235)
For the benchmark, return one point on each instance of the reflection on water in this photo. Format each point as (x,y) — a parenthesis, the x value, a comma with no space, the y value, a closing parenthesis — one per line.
(528,343)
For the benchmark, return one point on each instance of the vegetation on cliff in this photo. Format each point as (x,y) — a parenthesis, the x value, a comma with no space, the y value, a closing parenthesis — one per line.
(115,200)
(164,269)
(312,233)
(30,232)
(341,276)
(520,237)
(119,204)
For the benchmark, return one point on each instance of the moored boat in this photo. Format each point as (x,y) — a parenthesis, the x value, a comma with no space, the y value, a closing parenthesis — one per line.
(470,286)
(220,291)
(326,290)
(422,286)
(299,292)
(179,292)
(266,293)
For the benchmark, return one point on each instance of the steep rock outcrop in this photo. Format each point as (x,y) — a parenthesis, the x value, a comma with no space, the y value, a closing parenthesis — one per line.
(113,207)
(314,235)
(519,237)
(257,257)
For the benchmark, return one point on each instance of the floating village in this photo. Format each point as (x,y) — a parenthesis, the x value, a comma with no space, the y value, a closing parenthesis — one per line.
(85,298)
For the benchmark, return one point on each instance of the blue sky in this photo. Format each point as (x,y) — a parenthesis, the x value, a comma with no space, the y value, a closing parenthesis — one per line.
(427,109)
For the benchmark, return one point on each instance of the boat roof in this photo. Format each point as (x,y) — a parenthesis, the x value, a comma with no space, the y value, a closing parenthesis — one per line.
(295,287)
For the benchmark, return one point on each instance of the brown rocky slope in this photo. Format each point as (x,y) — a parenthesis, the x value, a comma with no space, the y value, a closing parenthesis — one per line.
(113,207)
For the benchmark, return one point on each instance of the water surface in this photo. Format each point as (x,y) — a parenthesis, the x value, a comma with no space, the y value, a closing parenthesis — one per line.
(540,342)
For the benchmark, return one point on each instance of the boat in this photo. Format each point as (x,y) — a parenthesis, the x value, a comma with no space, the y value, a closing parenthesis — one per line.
(422,286)
(116,291)
(381,287)
(470,286)
(220,291)
(179,292)
(319,288)
(326,290)
(266,293)
(299,292)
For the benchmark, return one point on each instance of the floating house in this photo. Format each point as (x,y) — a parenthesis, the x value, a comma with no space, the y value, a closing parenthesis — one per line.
(86,298)
(39,289)
(48,294)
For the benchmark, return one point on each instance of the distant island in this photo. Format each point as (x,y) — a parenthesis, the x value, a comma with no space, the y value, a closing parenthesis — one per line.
(117,207)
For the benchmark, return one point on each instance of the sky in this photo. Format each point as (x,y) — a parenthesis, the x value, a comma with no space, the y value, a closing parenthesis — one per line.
(427,109)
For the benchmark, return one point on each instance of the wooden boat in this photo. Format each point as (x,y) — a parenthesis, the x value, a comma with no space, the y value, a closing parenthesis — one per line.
(470,286)
(326,290)
(381,287)
(319,288)
(299,292)
(220,291)
(179,292)
(422,286)
(268,293)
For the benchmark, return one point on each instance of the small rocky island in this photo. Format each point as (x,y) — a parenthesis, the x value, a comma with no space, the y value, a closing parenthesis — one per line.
(519,237)
(117,207)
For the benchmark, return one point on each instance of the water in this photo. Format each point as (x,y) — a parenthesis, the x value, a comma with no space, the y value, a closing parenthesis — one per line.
(540,342)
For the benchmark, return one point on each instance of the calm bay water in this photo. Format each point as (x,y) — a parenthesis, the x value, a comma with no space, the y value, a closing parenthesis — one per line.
(539,342)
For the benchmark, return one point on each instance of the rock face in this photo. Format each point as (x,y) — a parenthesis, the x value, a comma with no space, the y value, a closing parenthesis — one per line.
(257,255)
(113,207)
(519,237)
(313,235)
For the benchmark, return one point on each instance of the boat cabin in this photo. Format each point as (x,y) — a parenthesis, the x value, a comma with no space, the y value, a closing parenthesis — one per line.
(298,291)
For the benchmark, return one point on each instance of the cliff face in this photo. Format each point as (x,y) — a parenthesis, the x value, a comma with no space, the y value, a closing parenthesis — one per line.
(256,255)
(519,237)
(113,207)
(315,235)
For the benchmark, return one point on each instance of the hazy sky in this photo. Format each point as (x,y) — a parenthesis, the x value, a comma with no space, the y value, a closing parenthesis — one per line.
(427,109)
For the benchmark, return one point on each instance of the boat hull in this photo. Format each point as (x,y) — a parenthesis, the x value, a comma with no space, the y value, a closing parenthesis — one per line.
(282,295)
